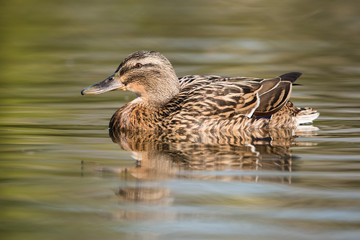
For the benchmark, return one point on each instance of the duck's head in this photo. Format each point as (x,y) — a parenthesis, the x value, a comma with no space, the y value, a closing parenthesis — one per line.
(148,74)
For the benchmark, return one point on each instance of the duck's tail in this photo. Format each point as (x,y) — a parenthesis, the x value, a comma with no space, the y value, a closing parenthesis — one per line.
(306,115)
(291,116)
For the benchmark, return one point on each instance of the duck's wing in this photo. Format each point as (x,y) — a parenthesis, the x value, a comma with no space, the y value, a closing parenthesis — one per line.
(217,96)
(275,93)
(191,80)
(273,99)
(220,99)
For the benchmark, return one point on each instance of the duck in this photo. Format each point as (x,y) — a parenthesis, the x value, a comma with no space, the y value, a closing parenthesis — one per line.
(166,103)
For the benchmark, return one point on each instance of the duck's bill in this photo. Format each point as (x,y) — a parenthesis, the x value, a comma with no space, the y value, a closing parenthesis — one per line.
(109,84)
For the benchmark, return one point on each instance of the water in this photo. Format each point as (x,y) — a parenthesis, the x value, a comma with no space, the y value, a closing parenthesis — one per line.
(62,176)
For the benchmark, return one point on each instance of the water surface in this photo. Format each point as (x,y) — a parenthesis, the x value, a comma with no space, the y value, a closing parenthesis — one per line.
(63,176)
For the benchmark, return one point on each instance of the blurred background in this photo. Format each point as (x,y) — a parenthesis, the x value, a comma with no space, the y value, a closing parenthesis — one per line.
(50,50)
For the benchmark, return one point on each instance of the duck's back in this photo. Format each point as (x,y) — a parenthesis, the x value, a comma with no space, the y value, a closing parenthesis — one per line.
(217,104)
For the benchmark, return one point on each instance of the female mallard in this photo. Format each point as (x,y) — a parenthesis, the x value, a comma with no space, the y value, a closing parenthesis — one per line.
(214,104)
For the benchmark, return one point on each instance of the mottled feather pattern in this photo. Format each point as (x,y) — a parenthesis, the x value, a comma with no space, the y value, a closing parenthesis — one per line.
(206,104)
(209,104)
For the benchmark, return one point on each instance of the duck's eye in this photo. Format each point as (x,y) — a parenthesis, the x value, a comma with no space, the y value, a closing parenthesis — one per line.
(138,65)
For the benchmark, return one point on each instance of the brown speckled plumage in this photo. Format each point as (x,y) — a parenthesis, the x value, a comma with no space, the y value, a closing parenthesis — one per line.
(208,104)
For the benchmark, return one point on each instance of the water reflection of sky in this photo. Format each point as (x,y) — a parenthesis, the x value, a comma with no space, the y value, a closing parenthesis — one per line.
(63,177)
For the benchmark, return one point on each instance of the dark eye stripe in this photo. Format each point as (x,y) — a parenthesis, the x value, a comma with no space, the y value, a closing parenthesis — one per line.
(125,69)
(149,65)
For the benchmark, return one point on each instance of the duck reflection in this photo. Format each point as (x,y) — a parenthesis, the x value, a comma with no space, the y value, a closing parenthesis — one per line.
(206,156)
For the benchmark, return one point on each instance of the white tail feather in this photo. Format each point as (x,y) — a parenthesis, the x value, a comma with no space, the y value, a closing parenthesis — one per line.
(306,118)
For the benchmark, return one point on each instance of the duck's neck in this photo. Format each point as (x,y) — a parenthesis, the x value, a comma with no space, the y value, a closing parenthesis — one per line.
(160,93)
